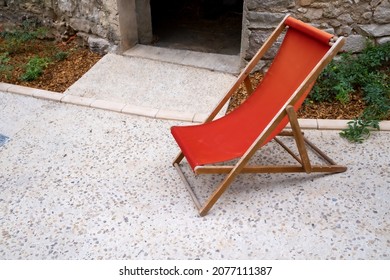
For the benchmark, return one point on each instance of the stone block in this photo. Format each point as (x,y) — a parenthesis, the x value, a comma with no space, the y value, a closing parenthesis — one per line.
(345,18)
(375,3)
(80,24)
(383,40)
(22,90)
(270,4)
(384,125)
(355,43)
(382,12)
(140,111)
(332,12)
(5,86)
(332,124)
(175,115)
(344,30)
(66,6)
(305,2)
(256,40)
(320,5)
(47,95)
(306,124)
(77,100)
(367,15)
(108,105)
(334,23)
(302,10)
(98,45)
(200,117)
(313,14)
(264,20)
(99,30)
(376,30)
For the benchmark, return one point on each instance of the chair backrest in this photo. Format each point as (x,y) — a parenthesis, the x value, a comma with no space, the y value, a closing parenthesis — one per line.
(301,50)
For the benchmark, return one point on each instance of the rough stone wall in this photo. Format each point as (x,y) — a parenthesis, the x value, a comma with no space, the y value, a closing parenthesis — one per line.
(96,21)
(357,20)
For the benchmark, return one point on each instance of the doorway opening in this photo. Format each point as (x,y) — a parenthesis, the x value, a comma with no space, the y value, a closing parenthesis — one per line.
(212,26)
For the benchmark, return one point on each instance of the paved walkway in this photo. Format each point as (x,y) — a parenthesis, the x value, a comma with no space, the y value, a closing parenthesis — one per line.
(85,183)
(158,82)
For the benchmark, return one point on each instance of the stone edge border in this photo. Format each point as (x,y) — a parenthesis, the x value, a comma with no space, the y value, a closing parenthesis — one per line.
(319,124)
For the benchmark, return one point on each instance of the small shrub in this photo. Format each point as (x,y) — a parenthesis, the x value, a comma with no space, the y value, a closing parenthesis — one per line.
(377,96)
(14,41)
(34,68)
(4,58)
(367,73)
(349,73)
(358,130)
(41,32)
(11,46)
(5,68)
(59,56)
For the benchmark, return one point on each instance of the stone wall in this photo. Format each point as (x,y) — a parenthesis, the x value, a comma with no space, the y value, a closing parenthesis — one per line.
(355,19)
(95,21)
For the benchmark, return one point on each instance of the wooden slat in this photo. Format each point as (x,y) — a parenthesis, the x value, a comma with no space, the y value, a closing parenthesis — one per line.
(188,187)
(288,150)
(298,138)
(178,158)
(248,85)
(271,169)
(319,152)
(286,133)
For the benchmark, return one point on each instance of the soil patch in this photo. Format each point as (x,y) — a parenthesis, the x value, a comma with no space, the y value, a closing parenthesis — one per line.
(309,110)
(68,61)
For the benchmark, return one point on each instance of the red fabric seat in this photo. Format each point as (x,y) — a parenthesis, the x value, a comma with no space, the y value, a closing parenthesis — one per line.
(230,136)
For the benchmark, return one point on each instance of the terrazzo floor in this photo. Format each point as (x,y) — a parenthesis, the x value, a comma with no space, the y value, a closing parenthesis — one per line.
(82,183)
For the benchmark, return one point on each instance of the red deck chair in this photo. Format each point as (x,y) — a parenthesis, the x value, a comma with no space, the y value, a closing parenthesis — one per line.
(304,52)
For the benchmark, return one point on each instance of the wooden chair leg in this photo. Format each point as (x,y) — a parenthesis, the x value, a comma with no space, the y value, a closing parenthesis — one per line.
(188,187)
(178,158)
(297,133)
(217,193)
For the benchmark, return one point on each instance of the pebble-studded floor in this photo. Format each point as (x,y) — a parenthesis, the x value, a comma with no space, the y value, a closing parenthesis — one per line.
(81,183)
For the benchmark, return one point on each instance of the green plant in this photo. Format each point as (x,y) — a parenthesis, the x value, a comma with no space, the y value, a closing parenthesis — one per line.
(5,68)
(4,58)
(11,45)
(366,73)
(352,72)
(358,130)
(377,96)
(34,68)
(59,56)
(14,40)
(334,82)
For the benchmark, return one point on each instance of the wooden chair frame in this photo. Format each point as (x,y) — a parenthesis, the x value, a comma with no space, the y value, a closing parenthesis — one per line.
(304,164)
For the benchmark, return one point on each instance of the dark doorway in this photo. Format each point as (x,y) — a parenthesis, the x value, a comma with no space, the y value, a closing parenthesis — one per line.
(200,25)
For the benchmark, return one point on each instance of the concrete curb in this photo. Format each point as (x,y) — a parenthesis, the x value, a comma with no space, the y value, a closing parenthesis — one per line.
(319,124)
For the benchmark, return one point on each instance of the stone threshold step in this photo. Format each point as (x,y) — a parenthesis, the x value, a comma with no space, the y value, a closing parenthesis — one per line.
(211,61)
